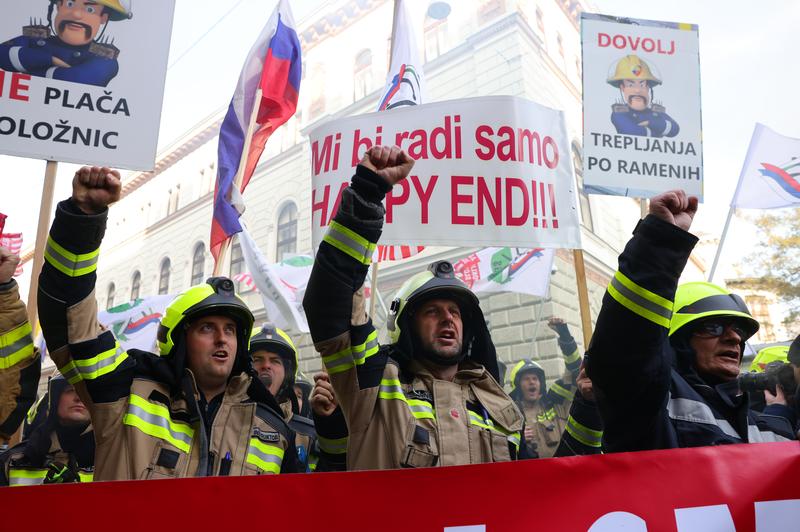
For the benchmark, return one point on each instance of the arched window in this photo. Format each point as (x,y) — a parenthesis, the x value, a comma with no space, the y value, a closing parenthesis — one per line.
(198,263)
(287,231)
(163,277)
(362,74)
(112,290)
(136,284)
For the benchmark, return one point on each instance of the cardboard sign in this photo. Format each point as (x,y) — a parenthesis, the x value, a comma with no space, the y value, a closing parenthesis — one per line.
(489,171)
(82,81)
(641,107)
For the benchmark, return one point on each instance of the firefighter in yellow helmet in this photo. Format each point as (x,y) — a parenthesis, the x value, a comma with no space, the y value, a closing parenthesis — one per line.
(194,409)
(274,358)
(430,397)
(664,359)
(637,114)
(71,47)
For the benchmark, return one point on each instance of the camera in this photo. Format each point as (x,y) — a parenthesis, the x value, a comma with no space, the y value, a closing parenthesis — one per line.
(774,374)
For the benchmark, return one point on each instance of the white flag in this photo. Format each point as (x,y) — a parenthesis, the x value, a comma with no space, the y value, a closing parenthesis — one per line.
(771,173)
(135,324)
(526,271)
(282,285)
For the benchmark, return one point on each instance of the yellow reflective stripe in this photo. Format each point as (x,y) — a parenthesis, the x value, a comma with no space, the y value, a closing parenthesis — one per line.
(363,351)
(572,358)
(34,409)
(582,433)
(391,389)
(548,415)
(265,457)
(477,420)
(333,445)
(26,477)
(16,345)
(339,361)
(349,242)
(560,390)
(640,300)
(68,263)
(101,364)
(70,372)
(86,476)
(154,420)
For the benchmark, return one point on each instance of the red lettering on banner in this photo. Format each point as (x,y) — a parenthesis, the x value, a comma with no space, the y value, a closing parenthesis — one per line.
(481,138)
(646,44)
(419,147)
(457,199)
(393,199)
(533,198)
(552,190)
(516,145)
(365,142)
(336,203)
(424,195)
(321,159)
(544,209)
(17,90)
(518,184)
(505,149)
(321,205)
(485,198)
(446,134)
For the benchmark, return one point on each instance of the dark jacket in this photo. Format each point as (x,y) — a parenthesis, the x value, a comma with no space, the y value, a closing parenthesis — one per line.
(649,396)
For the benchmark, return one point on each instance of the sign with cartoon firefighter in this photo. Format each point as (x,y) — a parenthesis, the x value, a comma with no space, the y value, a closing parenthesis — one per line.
(82,80)
(641,106)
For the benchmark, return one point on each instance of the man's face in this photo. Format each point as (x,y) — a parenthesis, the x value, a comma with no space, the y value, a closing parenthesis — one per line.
(211,349)
(71,410)
(636,93)
(717,345)
(270,364)
(438,324)
(298,393)
(78,21)
(531,386)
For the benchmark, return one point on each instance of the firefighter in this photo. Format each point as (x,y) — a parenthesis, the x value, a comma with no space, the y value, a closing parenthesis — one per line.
(637,114)
(275,361)
(69,47)
(20,362)
(430,397)
(197,408)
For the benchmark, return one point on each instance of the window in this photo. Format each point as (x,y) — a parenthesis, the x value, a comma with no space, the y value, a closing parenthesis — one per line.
(362,74)
(163,277)
(490,10)
(172,204)
(577,162)
(287,231)
(237,265)
(540,20)
(110,297)
(136,284)
(435,38)
(198,263)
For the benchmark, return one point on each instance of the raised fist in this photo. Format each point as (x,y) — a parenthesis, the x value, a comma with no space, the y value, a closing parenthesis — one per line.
(584,384)
(8,265)
(391,163)
(323,399)
(95,188)
(674,207)
(554,323)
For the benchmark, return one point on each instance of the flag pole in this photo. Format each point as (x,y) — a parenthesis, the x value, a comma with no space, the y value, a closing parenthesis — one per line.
(583,296)
(237,181)
(45,209)
(721,243)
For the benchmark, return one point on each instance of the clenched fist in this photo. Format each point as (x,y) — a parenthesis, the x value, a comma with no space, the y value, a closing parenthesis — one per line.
(323,399)
(8,265)
(95,188)
(674,207)
(391,163)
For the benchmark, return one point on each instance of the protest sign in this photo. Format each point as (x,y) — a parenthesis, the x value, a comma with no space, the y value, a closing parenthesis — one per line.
(498,178)
(83,81)
(525,271)
(641,107)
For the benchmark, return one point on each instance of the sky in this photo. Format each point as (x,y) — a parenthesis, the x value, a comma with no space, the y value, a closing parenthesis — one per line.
(748,57)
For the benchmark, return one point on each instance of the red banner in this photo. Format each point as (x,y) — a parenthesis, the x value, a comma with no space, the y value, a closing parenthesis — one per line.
(737,488)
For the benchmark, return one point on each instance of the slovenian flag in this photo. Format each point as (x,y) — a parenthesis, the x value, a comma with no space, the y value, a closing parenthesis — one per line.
(274,65)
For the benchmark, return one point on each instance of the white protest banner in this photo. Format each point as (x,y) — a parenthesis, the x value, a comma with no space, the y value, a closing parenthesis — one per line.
(135,323)
(82,81)
(641,107)
(525,271)
(481,178)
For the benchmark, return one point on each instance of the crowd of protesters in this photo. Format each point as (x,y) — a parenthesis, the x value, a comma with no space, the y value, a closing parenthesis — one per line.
(224,397)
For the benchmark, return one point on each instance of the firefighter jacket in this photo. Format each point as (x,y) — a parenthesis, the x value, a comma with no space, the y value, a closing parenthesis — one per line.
(397,417)
(583,431)
(20,363)
(648,394)
(332,440)
(305,438)
(150,421)
(53,453)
